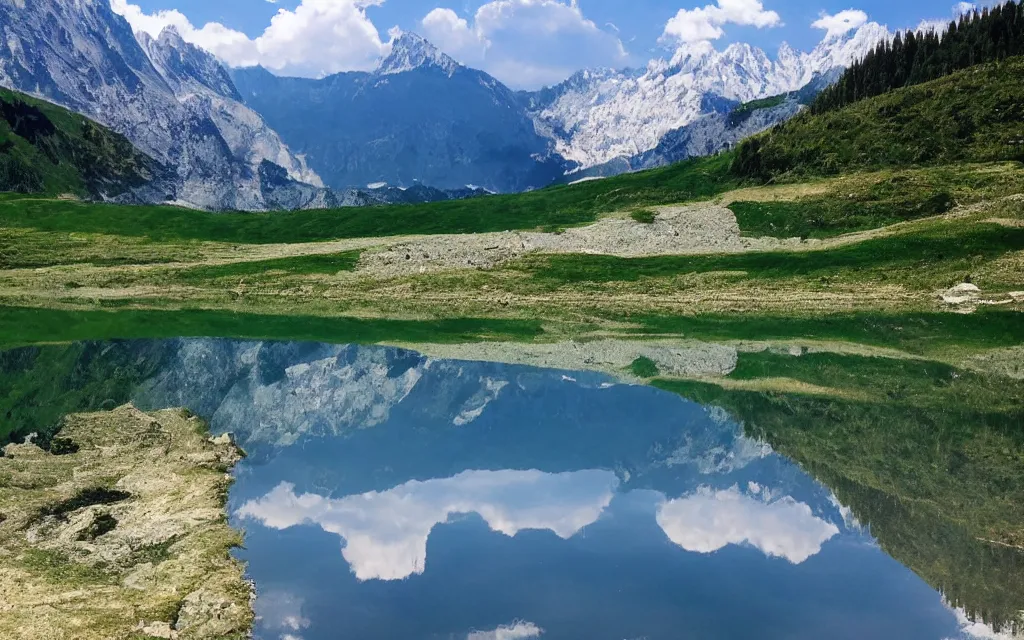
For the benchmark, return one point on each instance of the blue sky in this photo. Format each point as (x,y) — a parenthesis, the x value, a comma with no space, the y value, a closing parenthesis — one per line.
(525,43)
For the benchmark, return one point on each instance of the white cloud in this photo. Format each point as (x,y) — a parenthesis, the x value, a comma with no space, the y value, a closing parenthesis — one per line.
(705,23)
(840,23)
(707,521)
(386,532)
(961,8)
(525,43)
(318,37)
(515,631)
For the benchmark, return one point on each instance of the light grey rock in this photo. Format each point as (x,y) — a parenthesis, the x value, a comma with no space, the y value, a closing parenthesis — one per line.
(598,116)
(172,100)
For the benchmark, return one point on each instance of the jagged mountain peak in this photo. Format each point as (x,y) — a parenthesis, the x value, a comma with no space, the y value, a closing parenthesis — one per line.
(412,51)
(866,30)
(183,64)
(686,53)
(170,35)
(840,50)
(596,121)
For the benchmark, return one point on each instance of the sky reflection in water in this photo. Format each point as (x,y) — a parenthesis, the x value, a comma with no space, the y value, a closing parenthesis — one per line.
(391,496)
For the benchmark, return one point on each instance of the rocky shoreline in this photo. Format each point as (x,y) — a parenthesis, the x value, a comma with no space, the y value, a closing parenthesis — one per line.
(117,529)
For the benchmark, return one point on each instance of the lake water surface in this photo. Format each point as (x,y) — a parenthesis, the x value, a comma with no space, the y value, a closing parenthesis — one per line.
(390,495)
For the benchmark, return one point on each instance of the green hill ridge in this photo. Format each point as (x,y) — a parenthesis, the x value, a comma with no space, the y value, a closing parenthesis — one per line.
(974,115)
(49,150)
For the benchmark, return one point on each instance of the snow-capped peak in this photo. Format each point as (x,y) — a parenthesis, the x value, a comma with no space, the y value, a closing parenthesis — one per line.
(411,51)
(607,116)
(690,52)
(842,50)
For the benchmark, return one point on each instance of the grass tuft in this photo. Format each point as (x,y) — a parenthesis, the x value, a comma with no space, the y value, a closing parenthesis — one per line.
(644,367)
(643,216)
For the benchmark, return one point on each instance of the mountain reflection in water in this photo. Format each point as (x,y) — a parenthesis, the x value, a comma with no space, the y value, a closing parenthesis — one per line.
(390,495)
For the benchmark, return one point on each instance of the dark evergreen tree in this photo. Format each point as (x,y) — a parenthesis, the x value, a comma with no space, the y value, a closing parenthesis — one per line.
(914,57)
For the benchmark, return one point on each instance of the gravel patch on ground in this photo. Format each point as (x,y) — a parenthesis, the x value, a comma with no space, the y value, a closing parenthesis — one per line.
(614,357)
(676,230)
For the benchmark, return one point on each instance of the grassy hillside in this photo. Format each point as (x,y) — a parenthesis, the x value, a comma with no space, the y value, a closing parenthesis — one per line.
(47,149)
(861,201)
(974,115)
(912,57)
(550,208)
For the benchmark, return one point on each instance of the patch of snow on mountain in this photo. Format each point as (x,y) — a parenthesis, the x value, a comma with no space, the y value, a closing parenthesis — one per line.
(597,116)
(411,51)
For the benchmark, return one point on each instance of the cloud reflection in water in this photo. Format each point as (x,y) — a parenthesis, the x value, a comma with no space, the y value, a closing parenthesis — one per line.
(707,520)
(386,532)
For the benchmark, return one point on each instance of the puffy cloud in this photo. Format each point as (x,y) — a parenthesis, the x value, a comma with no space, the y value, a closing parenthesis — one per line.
(707,520)
(318,37)
(525,43)
(450,32)
(515,631)
(840,23)
(705,23)
(386,532)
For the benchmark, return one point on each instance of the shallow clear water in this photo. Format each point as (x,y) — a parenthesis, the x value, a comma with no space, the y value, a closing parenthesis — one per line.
(389,495)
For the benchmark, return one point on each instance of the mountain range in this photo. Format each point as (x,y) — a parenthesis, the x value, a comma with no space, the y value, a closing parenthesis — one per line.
(420,117)
(598,116)
(420,125)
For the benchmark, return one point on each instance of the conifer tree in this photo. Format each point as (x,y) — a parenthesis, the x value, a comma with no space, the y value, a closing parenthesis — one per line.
(915,57)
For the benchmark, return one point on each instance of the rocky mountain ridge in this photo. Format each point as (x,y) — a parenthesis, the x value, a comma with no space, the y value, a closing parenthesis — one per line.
(172,100)
(418,118)
(467,128)
(598,116)
(247,139)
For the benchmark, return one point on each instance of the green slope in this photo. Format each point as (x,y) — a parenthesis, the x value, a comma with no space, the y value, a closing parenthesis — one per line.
(551,208)
(975,115)
(47,149)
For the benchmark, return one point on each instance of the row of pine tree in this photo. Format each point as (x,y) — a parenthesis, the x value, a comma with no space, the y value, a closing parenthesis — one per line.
(914,57)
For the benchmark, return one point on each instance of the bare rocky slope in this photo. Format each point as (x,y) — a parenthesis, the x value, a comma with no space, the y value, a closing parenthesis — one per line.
(171,100)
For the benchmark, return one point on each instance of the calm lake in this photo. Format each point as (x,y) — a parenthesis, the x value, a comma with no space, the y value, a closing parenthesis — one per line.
(391,495)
